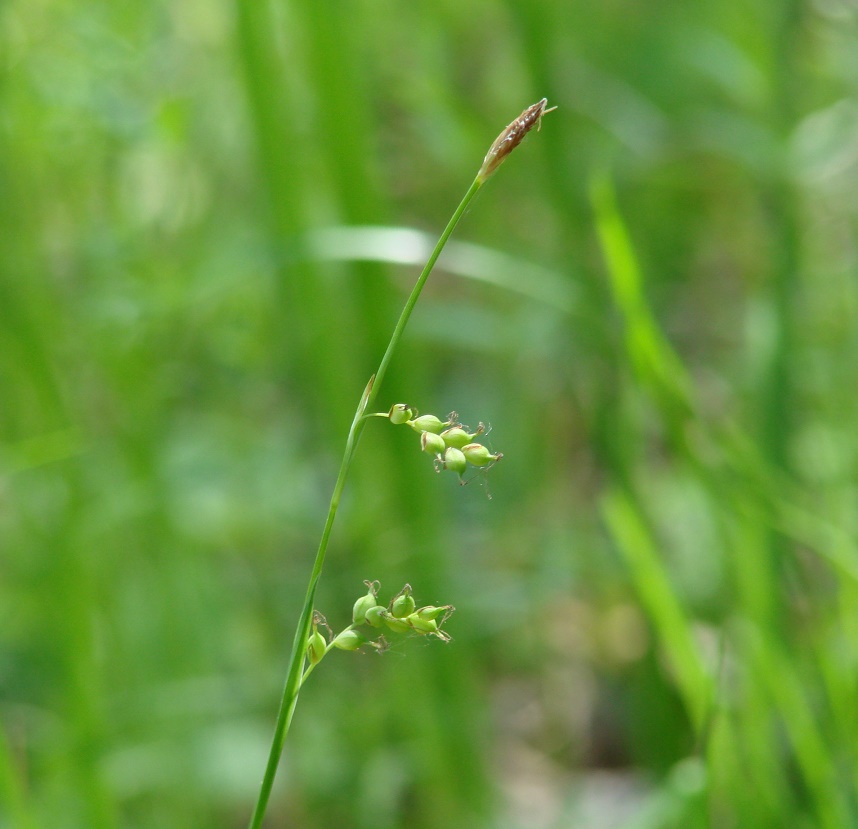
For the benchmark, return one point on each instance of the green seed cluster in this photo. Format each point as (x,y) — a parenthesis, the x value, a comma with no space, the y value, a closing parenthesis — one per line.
(401,615)
(451,444)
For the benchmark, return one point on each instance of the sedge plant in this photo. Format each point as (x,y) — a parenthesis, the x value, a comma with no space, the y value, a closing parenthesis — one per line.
(453,447)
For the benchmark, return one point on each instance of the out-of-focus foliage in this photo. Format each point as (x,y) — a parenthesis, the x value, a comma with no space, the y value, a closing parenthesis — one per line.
(210,214)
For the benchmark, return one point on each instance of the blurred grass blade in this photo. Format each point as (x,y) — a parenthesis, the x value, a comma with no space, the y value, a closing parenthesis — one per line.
(672,624)
(14,810)
(654,360)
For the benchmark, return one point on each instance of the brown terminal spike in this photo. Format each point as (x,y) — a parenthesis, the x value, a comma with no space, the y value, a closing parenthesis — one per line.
(512,136)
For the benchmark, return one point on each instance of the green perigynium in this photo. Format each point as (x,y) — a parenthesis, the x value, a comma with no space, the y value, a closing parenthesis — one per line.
(403,604)
(349,640)
(454,460)
(374,616)
(457,437)
(433,612)
(317,645)
(395,624)
(421,625)
(430,423)
(477,455)
(400,413)
(365,603)
(432,443)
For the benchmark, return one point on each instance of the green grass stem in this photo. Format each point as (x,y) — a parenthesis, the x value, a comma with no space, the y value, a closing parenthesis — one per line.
(295,673)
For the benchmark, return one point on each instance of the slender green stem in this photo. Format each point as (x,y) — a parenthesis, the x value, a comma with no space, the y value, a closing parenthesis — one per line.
(296,672)
(418,287)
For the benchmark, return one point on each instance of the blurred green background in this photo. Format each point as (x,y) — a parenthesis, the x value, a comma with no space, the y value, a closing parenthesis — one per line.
(210,216)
